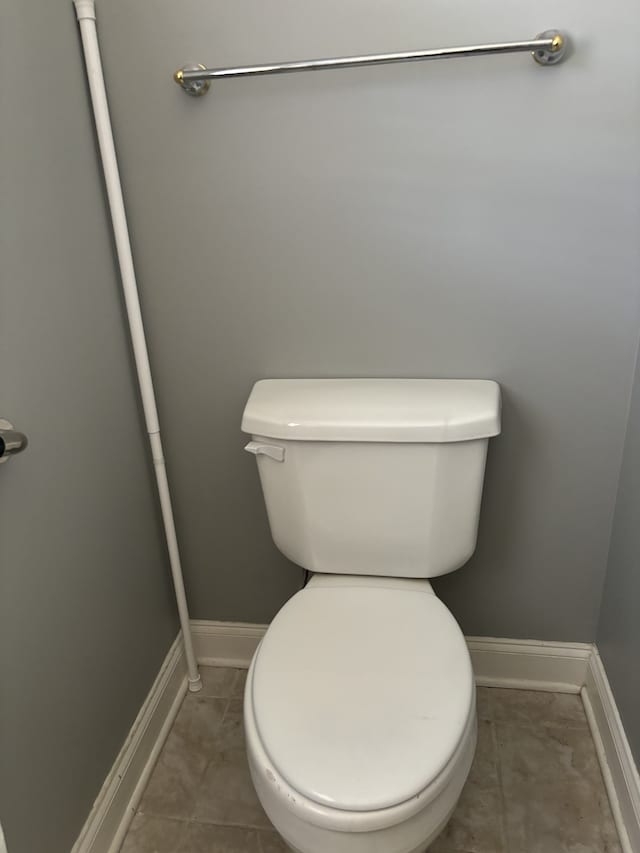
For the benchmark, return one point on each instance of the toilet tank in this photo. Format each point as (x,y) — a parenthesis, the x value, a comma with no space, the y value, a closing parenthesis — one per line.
(373,476)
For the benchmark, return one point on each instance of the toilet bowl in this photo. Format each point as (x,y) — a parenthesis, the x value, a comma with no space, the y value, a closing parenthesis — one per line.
(360,716)
(360,701)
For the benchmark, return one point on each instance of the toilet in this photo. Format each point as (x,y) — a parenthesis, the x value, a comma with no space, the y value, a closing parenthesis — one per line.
(360,701)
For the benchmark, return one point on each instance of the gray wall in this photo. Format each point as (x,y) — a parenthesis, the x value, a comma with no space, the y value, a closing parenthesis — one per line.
(472,218)
(86,612)
(461,219)
(619,629)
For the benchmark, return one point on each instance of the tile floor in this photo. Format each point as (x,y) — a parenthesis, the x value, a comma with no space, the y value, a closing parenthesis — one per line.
(535,785)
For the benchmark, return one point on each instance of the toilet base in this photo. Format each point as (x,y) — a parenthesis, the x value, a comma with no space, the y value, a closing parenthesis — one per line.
(297,827)
(413,836)
(423,847)
(409,826)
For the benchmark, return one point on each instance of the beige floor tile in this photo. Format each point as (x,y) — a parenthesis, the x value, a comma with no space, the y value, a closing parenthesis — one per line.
(149,834)
(537,708)
(198,721)
(555,801)
(175,780)
(534,783)
(241,680)
(476,824)
(441,845)
(228,743)
(484,770)
(482,703)
(203,838)
(270,842)
(227,796)
(217,681)
(225,743)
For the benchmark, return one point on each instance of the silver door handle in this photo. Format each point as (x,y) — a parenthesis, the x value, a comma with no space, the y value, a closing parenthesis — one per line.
(11,441)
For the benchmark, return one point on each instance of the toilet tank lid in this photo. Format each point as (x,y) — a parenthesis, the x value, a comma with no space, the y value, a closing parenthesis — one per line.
(394,410)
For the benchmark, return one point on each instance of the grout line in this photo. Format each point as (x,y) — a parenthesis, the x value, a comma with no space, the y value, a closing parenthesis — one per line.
(503,801)
(489,694)
(543,726)
(207,764)
(498,760)
(224,713)
(260,833)
(183,832)
(186,822)
(210,761)
(251,826)
(156,763)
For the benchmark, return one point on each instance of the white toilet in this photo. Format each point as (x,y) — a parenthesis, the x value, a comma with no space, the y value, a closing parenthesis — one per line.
(360,701)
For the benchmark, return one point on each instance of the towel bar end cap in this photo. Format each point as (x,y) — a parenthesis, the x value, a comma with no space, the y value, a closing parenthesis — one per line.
(195,88)
(554,54)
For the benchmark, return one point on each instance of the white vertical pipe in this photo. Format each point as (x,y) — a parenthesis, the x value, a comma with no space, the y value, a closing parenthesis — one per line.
(86,14)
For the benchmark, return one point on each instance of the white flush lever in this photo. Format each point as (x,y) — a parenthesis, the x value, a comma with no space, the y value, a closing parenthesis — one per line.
(259,448)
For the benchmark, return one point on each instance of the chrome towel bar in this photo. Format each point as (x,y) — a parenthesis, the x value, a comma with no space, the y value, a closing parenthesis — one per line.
(549,48)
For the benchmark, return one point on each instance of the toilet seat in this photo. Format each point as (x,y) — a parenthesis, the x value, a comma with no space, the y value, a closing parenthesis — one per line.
(362,695)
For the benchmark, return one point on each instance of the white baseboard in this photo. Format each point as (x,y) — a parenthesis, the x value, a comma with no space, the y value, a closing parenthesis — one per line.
(225,643)
(616,760)
(118,799)
(529,664)
(520,664)
(525,664)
